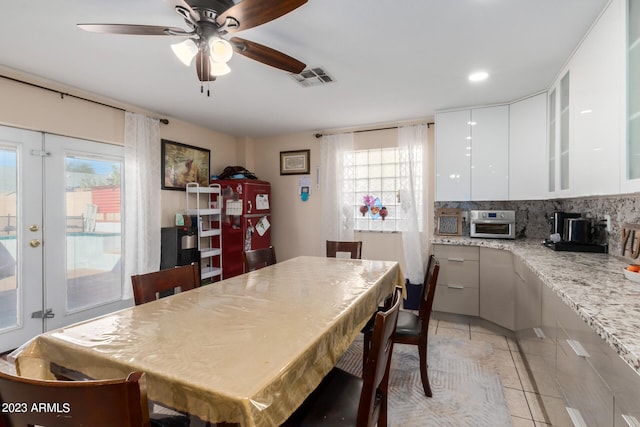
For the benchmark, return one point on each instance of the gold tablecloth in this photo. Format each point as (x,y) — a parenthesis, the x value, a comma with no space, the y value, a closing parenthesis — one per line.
(246,350)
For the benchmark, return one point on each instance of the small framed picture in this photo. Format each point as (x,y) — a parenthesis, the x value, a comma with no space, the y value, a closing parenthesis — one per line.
(294,162)
(182,164)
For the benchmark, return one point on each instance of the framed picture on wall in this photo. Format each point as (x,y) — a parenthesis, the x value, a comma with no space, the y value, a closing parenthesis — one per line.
(295,162)
(182,164)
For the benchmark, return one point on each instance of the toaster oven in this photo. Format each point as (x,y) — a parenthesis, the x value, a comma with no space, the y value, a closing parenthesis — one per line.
(492,224)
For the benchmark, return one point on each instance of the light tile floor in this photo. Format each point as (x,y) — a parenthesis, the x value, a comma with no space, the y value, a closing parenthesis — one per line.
(522,399)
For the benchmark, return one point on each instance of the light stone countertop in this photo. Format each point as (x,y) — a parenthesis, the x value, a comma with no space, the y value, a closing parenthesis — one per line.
(593,285)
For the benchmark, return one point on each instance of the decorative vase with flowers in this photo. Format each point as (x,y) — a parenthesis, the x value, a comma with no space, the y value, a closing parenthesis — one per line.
(372,205)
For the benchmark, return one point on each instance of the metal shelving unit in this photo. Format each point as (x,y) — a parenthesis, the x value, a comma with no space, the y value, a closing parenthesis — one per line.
(204,204)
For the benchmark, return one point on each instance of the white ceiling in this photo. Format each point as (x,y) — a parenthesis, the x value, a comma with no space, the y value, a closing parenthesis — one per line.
(392,61)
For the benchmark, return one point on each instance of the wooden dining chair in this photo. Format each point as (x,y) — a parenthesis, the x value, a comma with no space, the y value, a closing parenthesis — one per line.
(354,248)
(414,329)
(345,400)
(152,286)
(256,259)
(29,402)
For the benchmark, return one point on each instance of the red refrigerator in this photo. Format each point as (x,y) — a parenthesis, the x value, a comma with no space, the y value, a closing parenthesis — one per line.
(246,220)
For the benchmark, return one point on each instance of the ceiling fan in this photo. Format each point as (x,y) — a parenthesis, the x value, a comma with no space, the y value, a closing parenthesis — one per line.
(208,22)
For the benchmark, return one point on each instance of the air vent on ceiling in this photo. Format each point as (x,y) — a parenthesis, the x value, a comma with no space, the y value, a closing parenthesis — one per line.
(312,77)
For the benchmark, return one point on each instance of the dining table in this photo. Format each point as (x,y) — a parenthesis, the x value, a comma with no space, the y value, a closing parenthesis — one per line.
(246,350)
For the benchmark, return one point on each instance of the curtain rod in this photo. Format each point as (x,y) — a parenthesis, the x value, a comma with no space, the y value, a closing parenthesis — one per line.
(320,135)
(63,94)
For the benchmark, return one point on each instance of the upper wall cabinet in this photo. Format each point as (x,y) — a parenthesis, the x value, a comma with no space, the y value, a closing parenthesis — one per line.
(631,164)
(472,154)
(585,113)
(558,154)
(596,88)
(527,148)
(453,155)
(490,153)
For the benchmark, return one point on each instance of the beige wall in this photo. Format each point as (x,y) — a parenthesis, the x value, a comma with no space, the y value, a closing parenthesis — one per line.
(223,153)
(297,225)
(41,110)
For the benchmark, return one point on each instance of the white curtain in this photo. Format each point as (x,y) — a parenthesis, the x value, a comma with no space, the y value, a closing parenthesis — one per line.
(412,144)
(142,196)
(335,167)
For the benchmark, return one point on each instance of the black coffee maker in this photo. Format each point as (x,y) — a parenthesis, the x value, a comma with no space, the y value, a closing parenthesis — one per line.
(571,232)
(558,222)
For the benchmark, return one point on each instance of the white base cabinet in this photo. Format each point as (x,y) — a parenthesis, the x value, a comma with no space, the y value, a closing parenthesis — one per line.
(591,384)
(458,287)
(582,381)
(497,290)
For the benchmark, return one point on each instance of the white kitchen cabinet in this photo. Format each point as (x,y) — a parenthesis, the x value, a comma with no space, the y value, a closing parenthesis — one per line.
(596,107)
(631,148)
(472,154)
(559,152)
(597,387)
(490,153)
(497,290)
(588,399)
(528,167)
(528,290)
(458,280)
(453,155)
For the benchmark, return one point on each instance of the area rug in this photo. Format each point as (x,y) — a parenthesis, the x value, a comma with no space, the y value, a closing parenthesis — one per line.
(466,388)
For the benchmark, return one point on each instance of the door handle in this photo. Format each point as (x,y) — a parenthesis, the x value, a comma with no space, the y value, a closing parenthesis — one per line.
(34,228)
(47,314)
(35,243)
(578,348)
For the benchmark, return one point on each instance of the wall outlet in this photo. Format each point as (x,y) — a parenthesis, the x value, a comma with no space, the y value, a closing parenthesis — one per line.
(465,216)
(607,218)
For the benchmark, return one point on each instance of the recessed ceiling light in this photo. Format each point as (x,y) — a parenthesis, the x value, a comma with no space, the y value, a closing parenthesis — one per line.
(478,77)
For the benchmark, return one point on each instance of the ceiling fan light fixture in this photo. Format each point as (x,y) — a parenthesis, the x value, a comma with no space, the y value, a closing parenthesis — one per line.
(185,51)
(221,50)
(217,69)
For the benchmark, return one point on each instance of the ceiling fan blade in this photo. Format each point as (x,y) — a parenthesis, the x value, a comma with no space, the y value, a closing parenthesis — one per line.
(266,55)
(138,30)
(251,13)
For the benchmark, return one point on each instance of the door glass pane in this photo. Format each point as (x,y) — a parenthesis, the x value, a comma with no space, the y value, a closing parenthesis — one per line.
(8,252)
(564,132)
(93,232)
(552,141)
(633,155)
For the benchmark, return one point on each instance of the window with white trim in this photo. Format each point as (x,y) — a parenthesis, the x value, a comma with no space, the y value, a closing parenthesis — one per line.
(372,189)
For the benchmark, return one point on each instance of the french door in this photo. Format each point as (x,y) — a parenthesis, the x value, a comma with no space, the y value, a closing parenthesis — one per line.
(60,232)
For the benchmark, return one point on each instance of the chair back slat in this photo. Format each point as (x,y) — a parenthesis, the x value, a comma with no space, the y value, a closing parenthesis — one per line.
(354,248)
(376,369)
(258,258)
(120,403)
(152,286)
(428,291)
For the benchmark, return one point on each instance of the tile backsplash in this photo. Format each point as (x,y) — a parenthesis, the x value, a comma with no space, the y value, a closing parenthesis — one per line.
(533,217)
